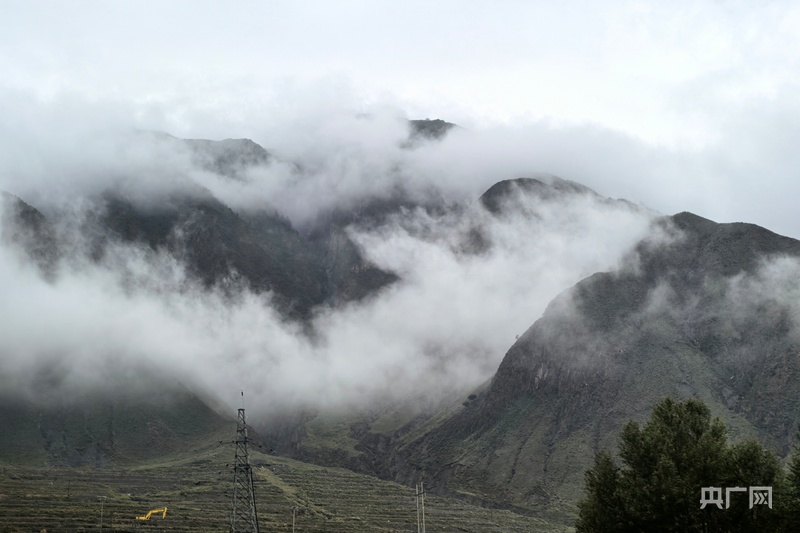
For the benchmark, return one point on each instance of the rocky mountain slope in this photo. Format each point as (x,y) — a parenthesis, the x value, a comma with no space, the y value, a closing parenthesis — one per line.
(392,440)
(218,245)
(697,309)
(706,312)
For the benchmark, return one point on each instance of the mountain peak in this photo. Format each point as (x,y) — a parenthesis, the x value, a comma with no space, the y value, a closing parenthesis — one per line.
(228,157)
(543,186)
(430,128)
(26,226)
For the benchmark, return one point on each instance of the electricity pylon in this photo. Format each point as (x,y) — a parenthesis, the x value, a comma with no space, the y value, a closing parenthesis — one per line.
(244,518)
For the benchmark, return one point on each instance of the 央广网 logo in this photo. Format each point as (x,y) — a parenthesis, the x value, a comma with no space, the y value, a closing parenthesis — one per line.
(713,496)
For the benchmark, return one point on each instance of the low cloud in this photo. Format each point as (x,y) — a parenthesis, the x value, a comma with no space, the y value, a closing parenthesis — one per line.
(444,326)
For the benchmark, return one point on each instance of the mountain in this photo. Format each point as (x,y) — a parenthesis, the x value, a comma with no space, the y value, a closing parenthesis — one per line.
(528,197)
(126,423)
(228,157)
(216,243)
(429,129)
(692,314)
(27,228)
(515,194)
(261,248)
(380,438)
(219,246)
(696,309)
(518,195)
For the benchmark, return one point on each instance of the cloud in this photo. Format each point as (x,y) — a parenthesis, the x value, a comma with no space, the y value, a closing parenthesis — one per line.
(770,296)
(442,329)
(447,323)
(349,140)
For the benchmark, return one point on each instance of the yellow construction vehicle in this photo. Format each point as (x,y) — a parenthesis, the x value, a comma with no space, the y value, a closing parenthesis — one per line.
(151,513)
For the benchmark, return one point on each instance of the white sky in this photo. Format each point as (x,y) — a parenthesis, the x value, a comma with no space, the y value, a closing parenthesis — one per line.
(695,103)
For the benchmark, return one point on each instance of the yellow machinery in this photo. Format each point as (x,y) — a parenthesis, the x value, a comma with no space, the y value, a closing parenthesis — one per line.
(151,513)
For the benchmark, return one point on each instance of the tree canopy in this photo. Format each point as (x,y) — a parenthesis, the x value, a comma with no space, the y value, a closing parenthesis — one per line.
(678,457)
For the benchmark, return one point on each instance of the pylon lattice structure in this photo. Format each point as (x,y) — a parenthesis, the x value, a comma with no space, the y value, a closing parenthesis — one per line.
(244,518)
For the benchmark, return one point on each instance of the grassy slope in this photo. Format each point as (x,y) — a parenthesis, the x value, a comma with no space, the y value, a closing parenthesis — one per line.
(100,430)
(196,490)
(535,454)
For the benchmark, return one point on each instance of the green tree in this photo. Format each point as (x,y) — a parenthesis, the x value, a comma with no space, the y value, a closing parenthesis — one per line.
(665,464)
(602,510)
(749,464)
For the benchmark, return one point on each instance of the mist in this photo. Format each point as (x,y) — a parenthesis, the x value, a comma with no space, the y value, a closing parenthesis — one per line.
(442,329)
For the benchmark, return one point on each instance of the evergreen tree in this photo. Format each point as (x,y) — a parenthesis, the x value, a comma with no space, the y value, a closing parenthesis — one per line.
(665,465)
(750,464)
(601,510)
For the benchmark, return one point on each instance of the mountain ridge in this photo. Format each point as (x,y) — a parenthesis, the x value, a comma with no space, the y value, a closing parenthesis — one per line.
(696,309)
(603,353)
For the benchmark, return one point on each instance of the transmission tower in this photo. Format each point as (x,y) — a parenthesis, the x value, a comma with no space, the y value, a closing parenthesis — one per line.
(244,518)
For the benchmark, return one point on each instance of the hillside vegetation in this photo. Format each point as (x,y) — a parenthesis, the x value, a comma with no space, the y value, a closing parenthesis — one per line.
(196,491)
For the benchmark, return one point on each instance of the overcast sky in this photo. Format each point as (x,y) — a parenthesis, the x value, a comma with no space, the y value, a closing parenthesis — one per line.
(679,105)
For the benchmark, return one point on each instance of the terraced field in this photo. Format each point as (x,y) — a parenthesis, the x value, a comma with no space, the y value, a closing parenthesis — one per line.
(197,494)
